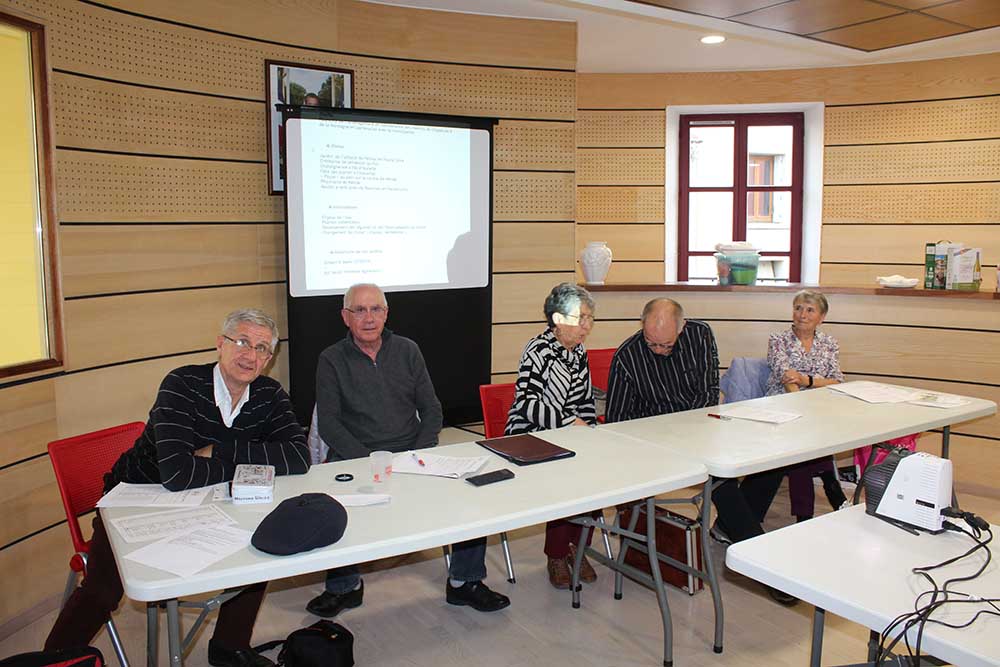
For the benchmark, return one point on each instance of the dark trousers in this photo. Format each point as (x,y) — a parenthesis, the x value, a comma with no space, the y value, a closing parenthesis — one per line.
(742,506)
(91,604)
(801,491)
(561,533)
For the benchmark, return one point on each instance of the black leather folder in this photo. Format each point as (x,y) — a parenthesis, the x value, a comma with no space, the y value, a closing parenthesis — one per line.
(525,449)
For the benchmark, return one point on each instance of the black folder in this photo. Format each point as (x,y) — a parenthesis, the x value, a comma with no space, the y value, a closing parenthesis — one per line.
(525,449)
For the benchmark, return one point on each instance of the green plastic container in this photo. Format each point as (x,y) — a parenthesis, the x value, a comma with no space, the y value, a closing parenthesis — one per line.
(737,268)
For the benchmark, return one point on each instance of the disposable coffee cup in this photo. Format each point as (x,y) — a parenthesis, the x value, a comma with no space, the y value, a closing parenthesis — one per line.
(381,466)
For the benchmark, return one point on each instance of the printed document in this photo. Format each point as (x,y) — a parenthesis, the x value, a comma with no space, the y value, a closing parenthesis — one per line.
(189,553)
(936,399)
(423,463)
(158,525)
(151,495)
(875,392)
(759,414)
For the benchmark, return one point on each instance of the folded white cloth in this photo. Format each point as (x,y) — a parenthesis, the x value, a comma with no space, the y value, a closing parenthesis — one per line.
(897,281)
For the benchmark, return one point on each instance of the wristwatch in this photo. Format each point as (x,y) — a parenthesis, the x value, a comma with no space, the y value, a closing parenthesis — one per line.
(810,382)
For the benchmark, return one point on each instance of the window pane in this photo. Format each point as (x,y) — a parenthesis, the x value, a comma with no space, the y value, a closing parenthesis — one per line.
(22,290)
(768,220)
(769,155)
(702,268)
(711,157)
(710,219)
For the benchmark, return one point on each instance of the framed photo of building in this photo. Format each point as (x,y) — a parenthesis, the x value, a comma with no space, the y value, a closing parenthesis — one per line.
(306,85)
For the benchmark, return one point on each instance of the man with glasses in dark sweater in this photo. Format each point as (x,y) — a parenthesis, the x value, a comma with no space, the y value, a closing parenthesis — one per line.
(206,420)
(373,393)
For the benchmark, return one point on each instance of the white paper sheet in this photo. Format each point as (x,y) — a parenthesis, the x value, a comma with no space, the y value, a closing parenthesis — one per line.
(152,495)
(875,392)
(361,499)
(758,414)
(157,525)
(220,493)
(936,399)
(192,552)
(433,464)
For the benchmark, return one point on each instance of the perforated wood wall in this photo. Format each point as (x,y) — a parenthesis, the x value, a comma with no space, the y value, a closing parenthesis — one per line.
(165,221)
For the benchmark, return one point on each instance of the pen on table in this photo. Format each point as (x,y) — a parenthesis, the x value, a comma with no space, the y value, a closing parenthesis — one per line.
(416,458)
(716,416)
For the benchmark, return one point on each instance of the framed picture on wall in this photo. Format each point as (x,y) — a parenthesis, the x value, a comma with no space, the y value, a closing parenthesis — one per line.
(306,85)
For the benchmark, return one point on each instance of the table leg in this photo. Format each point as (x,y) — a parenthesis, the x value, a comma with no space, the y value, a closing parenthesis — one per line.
(817,640)
(706,554)
(661,593)
(174,634)
(945,438)
(152,633)
(874,639)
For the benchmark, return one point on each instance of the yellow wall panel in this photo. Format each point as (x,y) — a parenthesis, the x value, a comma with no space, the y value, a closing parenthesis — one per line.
(903,244)
(533,246)
(976,467)
(942,203)
(937,120)
(533,196)
(618,129)
(519,297)
(626,241)
(625,272)
(44,559)
(620,204)
(148,325)
(619,166)
(533,145)
(125,258)
(29,420)
(30,499)
(913,163)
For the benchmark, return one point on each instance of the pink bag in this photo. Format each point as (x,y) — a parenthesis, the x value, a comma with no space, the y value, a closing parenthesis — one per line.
(861,454)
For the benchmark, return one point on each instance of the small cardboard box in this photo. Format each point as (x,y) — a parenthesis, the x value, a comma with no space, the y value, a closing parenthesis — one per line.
(253,484)
(964,269)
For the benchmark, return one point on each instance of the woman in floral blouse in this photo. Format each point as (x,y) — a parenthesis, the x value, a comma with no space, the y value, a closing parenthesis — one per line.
(804,358)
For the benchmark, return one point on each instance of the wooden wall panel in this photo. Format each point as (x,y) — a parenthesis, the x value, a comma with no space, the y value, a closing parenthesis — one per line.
(616,166)
(913,163)
(626,241)
(620,204)
(30,499)
(625,272)
(864,275)
(103,115)
(620,129)
(976,466)
(969,76)
(519,297)
(533,196)
(938,120)
(533,246)
(29,420)
(148,325)
(509,340)
(96,187)
(125,258)
(533,145)
(903,244)
(942,203)
(37,570)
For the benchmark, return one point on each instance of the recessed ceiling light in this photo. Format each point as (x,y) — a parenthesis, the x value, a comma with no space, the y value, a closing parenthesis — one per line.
(713,39)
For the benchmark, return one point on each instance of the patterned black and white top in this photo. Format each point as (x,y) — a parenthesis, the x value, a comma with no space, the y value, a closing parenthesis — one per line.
(185,418)
(552,388)
(643,384)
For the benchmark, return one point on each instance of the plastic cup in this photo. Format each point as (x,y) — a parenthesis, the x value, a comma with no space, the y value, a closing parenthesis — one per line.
(381,466)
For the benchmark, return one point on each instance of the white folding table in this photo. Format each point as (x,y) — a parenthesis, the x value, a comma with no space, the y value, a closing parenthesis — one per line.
(830,422)
(859,567)
(426,512)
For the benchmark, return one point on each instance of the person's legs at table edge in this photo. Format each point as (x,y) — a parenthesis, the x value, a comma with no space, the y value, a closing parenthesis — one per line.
(465,585)
(343,589)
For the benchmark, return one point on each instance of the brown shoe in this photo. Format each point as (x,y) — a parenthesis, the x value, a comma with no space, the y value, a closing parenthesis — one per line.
(587,573)
(560,575)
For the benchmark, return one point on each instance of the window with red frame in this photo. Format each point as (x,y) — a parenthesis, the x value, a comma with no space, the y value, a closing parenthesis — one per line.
(740,180)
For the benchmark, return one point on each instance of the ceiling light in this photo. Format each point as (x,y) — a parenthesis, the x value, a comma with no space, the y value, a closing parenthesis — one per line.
(713,39)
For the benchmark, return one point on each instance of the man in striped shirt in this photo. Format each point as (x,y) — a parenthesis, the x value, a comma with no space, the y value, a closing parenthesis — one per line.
(672,365)
(206,420)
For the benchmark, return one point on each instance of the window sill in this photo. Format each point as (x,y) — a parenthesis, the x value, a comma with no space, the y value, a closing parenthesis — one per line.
(789,287)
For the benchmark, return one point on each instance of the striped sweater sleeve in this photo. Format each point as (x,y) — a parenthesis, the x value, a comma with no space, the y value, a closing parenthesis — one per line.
(282,441)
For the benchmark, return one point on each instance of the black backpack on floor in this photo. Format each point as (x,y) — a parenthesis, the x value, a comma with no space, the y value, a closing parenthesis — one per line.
(322,644)
(83,656)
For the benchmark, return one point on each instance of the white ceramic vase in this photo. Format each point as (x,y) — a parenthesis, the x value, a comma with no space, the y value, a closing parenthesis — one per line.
(595,261)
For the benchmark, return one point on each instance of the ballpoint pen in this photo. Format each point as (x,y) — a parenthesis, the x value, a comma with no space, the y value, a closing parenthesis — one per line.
(716,416)
(416,458)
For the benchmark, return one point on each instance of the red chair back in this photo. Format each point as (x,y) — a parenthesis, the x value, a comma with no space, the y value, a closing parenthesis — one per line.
(496,400)
(80,463)
(600,366)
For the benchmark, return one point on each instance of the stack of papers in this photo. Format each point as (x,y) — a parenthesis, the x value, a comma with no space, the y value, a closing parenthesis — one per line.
(425,463)
(152,495)
(759,414)
(192,552)
(875,392)
(936,399)
(361,499)
(157,525)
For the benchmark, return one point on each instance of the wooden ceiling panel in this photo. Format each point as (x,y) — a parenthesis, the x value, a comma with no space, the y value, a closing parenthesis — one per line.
(804,17)
(717,8)
(974,13)
(891,31)
(912,4)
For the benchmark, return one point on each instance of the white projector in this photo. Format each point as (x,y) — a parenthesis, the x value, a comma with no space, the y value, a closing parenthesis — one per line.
(910,488)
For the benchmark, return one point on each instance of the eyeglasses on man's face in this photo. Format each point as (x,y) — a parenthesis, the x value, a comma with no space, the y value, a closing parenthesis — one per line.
(261,350)
(660,347)
(361,312)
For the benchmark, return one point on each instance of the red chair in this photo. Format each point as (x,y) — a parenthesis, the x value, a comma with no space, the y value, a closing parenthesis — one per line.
(496,400)
(80,463)
(600,366)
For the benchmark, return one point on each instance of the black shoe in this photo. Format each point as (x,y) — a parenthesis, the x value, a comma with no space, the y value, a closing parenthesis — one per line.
(220,656)
(328,604)
(718,534)
(781,597)
(477,595)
